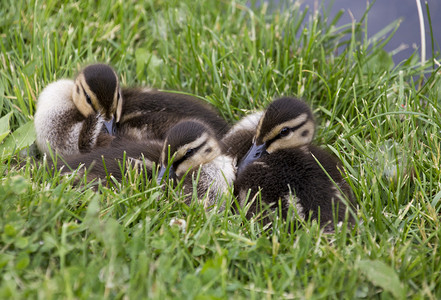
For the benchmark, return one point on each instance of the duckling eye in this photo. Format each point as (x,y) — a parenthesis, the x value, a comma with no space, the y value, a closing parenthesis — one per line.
(89,101)
(284,132)
(189,153)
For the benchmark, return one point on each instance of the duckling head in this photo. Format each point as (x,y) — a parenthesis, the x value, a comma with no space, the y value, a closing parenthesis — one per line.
(187,145)
(97,91)
(287,123)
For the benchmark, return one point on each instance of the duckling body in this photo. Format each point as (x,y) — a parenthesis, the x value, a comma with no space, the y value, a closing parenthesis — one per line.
(295,177)
(149,114)
(71,115)
(285,167)
(115,160)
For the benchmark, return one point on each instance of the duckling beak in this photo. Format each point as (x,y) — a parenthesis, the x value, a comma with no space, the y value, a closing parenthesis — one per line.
(110,126)
(255,152)
(163,171)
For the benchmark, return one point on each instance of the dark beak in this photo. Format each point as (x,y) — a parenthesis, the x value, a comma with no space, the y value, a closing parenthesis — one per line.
(163,171)
(255,152)
(110,127)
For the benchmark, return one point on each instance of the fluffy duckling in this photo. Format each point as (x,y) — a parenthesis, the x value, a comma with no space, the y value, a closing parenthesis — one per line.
(71,115)
(149,114)
(282,165)
(74,116)
(192,147)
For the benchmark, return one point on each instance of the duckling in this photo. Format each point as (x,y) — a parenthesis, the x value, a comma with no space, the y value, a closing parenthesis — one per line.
(285,167)
(149,113)
(71,115)
(191,146)
(219,161)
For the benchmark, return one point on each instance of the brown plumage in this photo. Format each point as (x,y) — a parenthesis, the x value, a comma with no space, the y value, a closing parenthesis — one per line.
(149,114)
(114,160)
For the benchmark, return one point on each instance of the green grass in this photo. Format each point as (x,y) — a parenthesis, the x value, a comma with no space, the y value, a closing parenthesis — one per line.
(382,120)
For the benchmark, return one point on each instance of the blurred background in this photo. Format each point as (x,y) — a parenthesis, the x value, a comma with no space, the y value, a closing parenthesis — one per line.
(406,39)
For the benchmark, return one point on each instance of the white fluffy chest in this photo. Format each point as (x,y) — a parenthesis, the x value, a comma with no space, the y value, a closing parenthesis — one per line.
(57,96)
(53,118)
(221,169)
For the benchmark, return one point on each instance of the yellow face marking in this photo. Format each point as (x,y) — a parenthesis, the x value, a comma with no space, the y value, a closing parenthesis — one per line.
(80,99)
(259,126)
(196,143)
(183,149)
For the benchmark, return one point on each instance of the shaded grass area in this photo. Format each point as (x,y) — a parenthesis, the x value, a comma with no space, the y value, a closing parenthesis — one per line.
(382,120)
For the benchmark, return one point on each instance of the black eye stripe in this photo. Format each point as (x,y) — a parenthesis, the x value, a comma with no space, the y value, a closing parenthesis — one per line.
(191,152)
(298,126)
(187,155)
(87,96)
(292,129)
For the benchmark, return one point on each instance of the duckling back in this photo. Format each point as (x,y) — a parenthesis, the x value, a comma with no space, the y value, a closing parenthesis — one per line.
(149,114)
